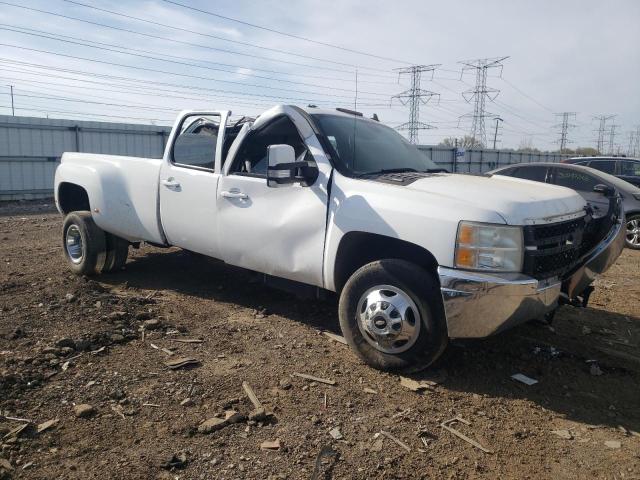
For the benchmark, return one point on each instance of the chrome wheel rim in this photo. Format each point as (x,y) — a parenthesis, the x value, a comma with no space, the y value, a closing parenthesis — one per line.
(388,319)
(633,232)
(73,244)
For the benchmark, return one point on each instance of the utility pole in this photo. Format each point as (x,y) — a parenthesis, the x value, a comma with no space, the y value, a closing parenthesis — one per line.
(602,127)
(564,126)
(479,94)
(13,110)
(413,97)
(495,133)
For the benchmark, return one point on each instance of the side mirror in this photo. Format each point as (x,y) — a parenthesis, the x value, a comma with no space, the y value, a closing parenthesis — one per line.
(285,170)
(605,190)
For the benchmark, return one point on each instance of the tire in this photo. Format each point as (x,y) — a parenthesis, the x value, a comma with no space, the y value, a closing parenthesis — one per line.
(403,284)
(86,256)
(632,238)
(117,251)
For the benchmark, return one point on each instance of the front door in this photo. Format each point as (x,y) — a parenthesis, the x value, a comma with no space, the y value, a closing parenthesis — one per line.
(188,181)
(278,231)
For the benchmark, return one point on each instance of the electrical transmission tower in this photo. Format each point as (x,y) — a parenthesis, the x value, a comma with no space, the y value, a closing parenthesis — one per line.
(564,127)
(631,150)
(413,97)
(479,94)
(612,136)
(602,128)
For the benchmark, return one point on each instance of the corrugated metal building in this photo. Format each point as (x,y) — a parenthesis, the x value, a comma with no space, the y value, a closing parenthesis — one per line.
(30,150)
(31,147)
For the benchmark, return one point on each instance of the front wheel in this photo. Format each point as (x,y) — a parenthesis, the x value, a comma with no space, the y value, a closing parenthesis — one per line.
(391,314)
(633,231)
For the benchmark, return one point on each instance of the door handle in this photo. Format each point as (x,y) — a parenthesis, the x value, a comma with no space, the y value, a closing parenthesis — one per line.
(170,183)
(234,194)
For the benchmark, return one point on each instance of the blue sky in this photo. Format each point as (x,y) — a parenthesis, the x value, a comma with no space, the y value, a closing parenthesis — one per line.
(579,56)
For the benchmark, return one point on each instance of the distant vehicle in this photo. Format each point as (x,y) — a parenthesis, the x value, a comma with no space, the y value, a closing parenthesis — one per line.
(583,180)
(627,169)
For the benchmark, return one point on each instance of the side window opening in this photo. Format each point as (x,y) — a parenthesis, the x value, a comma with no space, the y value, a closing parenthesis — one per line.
(537,174)
(195,145)
(251,158)
(575,179)
(606,166)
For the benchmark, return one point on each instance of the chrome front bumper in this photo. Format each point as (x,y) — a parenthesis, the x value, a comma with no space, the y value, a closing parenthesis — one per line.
(480,304)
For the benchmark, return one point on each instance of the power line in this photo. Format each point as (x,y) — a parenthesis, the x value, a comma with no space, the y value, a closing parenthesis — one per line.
(413,97)
(167,39)
(564,126)
(246,44)
(144,82)
(104,47)
(279,32)
(480,93)
(170,73)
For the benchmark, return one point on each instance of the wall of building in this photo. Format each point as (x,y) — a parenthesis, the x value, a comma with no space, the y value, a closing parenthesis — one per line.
(482,160)
(31,147)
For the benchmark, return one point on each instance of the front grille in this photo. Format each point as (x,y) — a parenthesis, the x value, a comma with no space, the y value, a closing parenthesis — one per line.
(556,249)
(553,249)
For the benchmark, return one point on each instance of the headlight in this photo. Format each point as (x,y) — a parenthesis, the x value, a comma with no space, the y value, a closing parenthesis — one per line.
(485,246)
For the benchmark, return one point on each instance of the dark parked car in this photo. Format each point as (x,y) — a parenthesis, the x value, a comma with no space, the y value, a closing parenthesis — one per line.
(625,168)
(583,180)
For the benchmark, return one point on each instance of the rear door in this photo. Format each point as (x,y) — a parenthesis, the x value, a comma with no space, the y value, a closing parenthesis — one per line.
(278,231)
(188,181)
(583,183)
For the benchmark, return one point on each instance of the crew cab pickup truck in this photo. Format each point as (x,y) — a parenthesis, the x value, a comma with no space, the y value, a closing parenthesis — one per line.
(338,202)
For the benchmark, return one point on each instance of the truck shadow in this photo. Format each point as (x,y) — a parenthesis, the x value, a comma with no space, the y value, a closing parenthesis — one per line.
(561,359)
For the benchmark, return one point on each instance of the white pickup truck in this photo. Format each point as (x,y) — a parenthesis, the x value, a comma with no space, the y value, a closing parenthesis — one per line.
(335,201)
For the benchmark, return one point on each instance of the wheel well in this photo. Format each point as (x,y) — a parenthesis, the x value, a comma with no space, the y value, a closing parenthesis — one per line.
(632,214)
(72,197)
(359,248)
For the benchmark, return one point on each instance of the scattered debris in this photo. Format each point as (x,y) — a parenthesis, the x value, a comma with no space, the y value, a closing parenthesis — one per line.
(369,390)
(416,386)
(595,370)
(335,338)
(325,452)
(270,445)
(396,440)
(524,379)
(187,402)
(314,379)
(176,461)
(566,434)
(447,426)
(211,425)
(336,434)
(377,444)
(613,444)
(259,412)
(155,405)
(23,429)
(15,419)
(182,362)
(84,410)
(165,350)
(47,425)
(187,340)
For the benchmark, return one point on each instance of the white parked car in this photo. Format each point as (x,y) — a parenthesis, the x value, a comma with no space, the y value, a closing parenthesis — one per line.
(331,200)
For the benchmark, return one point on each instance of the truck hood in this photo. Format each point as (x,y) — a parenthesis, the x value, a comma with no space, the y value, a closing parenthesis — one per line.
(519,202)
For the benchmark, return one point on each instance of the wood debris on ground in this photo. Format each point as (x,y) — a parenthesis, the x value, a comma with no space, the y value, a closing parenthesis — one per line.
(314,379)
(335,338)
(447,426)
(182,362)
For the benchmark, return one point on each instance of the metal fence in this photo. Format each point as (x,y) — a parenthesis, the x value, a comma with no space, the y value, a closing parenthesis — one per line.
(30,149)
(482,160)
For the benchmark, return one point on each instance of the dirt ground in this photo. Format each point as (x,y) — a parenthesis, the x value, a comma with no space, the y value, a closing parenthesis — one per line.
(66,342)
